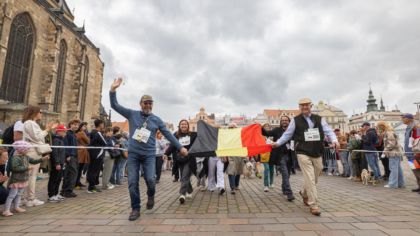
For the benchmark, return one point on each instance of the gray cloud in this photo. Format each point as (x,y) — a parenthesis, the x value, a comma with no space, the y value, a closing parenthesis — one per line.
(240,57)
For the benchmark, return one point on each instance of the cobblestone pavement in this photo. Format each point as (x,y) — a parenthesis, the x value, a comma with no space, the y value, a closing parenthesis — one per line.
(348,208)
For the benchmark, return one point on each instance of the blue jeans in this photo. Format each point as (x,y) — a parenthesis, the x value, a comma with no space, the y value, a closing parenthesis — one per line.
(234,181)
(285,185)
(268,174)
(396,178)
(372,160)
(345,161)
(332,166)
(117,175)
(136,162)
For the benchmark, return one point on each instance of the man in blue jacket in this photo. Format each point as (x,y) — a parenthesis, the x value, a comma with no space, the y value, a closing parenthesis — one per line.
(143,125)
(71,162)
(369,140)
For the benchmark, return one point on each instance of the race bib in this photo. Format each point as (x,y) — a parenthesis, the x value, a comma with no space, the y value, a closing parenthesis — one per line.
(142,135)
(185,141)
(312,135)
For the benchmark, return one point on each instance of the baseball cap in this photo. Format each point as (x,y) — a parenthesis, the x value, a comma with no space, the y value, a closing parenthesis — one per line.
(60,128)
(408,116)
(366,124)
(146,98)
(305,101)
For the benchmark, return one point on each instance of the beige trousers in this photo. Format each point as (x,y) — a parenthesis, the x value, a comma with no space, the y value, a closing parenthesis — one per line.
(30,190)
(311,168)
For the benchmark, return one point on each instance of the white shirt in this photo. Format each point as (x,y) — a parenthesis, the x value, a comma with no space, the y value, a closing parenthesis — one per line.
(288,134)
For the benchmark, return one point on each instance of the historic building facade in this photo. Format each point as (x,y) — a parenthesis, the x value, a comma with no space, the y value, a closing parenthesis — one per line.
(374,114)
(202,115)
(273,116)
(334,116)
(47,61)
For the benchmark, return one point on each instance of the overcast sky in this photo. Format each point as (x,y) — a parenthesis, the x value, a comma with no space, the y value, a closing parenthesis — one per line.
(240,57)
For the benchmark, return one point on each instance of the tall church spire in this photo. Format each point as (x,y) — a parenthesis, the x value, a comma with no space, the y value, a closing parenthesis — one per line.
(382,105)
(371,106)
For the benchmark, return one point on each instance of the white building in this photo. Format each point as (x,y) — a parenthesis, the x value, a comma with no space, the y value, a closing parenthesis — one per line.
(373,115)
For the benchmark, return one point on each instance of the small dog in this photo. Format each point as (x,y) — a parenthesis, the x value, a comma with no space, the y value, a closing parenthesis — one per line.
(248,170)
(367,177)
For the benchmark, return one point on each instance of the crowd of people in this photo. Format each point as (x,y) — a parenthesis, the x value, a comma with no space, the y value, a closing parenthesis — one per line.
(305,142)
(63,151)
(367,147)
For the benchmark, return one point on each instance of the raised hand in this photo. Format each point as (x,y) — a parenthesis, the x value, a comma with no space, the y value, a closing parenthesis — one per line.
(117,82)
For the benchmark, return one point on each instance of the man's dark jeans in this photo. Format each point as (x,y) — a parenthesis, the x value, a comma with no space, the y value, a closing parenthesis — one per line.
(285,186)
(134,163)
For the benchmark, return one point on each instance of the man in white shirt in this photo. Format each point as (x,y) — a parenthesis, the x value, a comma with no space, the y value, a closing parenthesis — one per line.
(307,131)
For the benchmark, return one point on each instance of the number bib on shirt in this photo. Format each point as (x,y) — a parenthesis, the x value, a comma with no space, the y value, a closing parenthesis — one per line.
(142,135)
(312,135)
(185,141)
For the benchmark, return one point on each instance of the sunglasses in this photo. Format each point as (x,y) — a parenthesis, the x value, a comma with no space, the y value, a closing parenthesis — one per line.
(148,103)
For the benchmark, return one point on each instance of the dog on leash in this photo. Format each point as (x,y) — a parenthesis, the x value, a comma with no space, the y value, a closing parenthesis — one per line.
(248,170)
(367,177)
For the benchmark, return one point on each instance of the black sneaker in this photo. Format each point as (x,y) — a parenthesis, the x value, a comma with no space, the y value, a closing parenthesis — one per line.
(134,215)
(182,199)
(69,195)
(415,190)
(150,203)
(222,191)
(98,189)
(290,197)
(232,192)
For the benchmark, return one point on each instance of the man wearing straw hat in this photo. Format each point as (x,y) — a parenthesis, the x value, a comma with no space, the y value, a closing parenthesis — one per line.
(307,130)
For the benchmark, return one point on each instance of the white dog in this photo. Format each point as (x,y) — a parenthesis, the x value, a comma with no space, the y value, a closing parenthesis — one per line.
(367,177)
(248,170)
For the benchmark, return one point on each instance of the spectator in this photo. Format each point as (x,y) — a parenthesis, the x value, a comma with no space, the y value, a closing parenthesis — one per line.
(393,152)
(343,153)
(414,161)
(33,134)
(58,158)
(83,140)
(72,165)
(369,141)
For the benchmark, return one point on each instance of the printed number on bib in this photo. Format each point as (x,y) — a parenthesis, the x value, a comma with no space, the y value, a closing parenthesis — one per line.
(312,135)
(142,135)
(185,141)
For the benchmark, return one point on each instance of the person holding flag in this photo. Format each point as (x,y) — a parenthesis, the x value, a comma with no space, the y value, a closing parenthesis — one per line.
(143,125)
(308,130)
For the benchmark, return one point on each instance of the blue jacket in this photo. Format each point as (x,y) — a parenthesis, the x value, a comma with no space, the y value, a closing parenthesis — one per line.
(71,140)
(136,119)
(369,140)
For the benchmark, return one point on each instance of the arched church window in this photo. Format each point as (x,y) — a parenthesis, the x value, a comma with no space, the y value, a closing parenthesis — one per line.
(19,57)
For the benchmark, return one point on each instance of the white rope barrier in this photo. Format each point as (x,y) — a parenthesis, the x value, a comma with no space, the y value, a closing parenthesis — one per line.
(67,147)
(369,151)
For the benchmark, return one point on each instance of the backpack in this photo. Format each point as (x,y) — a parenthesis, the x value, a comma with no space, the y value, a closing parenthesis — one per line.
(8,135)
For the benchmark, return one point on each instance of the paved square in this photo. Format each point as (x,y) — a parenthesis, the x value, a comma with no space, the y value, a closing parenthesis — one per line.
(348,208)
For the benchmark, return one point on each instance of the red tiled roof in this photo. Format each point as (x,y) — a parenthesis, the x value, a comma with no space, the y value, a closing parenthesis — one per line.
(123,125)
